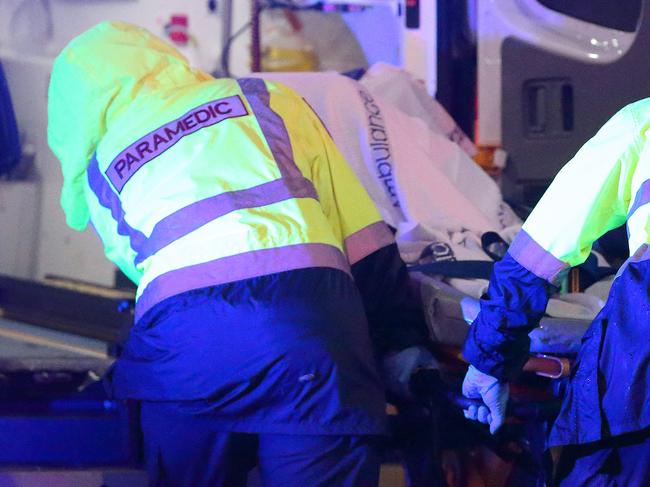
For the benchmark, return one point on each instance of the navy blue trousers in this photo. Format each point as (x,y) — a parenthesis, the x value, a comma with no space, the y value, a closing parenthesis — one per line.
(623,461)
(182,450)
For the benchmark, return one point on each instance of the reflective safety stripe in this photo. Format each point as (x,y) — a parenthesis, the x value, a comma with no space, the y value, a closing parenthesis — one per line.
(642,197)
(272,125)
(641,254)
(367,240)
(188,219)
(108,199)
(193,216)
(237,267)
(535,258)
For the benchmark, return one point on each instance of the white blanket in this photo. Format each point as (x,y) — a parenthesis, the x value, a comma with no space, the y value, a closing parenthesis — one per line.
(425,185)
(415,175)
(405,92)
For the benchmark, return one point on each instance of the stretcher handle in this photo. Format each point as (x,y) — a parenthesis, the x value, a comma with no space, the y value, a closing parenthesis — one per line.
(533,411)
(541,364)
(548,366)
(429,388)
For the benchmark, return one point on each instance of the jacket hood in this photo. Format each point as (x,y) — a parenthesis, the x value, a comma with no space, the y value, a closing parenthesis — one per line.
(97,75)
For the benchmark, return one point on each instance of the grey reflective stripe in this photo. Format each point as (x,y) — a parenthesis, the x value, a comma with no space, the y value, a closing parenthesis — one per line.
(641,198)
(272,125)
(238,267)
(641,254)
(195,215)
(111,201)
(535,258)
(367,240)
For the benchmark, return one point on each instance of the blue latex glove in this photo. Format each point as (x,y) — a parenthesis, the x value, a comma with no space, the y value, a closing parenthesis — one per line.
(494,394)
(397,368)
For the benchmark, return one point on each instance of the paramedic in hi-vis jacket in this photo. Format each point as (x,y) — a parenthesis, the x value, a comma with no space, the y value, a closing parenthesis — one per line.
(605,417)
(268,286)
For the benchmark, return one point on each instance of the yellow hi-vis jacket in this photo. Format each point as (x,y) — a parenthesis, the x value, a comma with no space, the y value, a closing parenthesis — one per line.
(606,184)
(192,181)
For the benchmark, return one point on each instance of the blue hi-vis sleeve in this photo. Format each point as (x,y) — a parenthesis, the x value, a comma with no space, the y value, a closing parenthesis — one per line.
(498,342)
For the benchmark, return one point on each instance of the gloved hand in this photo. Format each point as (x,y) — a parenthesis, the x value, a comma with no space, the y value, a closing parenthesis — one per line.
(493,393)
(397,368)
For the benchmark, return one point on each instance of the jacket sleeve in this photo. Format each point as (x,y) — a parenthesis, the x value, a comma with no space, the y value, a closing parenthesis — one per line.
(590,196)
(394,314)
(391,301)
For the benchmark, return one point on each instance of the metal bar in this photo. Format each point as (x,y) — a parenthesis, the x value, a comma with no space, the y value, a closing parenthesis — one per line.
(49,342)
(256,47)
(103,317)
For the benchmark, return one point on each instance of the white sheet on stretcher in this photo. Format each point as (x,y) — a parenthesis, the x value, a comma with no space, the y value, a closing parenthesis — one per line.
(425,185)
(402,90)
(415,176)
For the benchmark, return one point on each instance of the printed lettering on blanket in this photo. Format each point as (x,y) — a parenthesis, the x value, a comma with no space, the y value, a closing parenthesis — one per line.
(380,146)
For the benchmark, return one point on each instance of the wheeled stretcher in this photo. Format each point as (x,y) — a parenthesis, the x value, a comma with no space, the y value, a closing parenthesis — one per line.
(535,398)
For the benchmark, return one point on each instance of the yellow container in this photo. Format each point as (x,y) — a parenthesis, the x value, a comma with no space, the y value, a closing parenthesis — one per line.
(285,59)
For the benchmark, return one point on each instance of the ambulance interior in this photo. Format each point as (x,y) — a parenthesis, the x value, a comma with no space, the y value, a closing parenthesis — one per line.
(455,116)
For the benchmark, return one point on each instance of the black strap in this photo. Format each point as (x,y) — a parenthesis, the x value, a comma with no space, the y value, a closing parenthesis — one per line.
(468,269)
(494,245)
